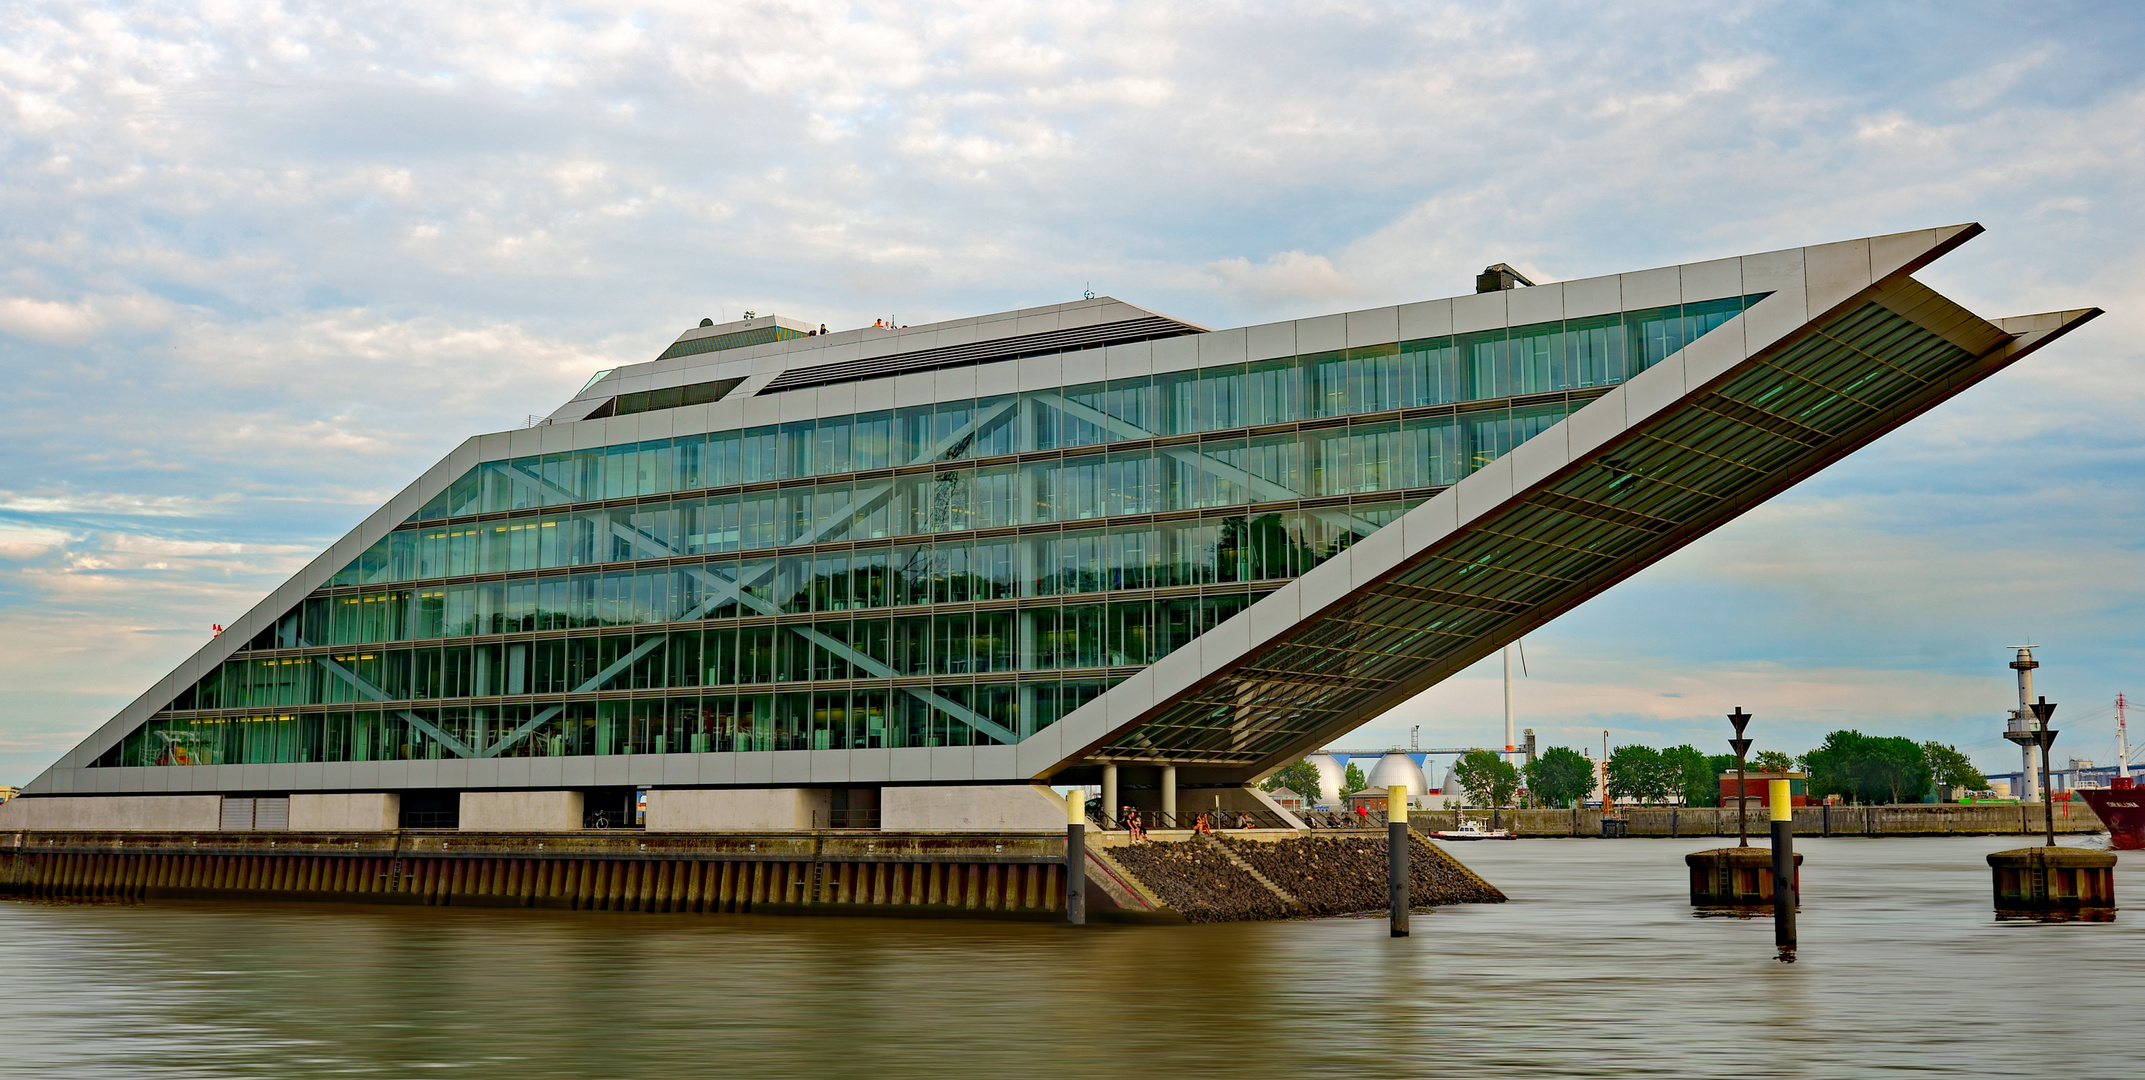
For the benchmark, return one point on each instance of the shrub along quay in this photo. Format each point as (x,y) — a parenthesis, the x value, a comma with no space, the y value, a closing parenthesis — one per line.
(1923,819)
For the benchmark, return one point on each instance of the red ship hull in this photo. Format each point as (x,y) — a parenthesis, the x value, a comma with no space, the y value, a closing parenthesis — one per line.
(2122,810)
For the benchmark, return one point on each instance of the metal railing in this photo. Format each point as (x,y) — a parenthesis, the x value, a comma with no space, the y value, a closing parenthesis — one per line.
(845,819)
(1344,819)
(1210,820)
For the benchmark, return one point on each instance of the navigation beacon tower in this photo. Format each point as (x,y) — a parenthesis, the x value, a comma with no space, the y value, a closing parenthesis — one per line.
(2021,728)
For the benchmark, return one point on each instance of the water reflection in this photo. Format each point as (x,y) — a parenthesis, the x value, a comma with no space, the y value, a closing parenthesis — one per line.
(1596,969)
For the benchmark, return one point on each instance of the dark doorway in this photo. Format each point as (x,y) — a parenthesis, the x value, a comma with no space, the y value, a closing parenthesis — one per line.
(431,809)
(611,808)
(853,808)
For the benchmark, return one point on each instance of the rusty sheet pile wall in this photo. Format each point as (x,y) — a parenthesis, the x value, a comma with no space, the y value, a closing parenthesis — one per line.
(1262,875)
(1013,876)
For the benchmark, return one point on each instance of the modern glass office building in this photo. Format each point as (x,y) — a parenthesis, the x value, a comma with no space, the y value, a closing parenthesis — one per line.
(1026,546)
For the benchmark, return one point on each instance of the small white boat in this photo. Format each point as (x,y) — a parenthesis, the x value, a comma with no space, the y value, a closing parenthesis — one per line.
(1472,830)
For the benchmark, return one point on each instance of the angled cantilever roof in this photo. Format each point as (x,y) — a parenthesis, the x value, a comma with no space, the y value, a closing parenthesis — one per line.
(1845,347)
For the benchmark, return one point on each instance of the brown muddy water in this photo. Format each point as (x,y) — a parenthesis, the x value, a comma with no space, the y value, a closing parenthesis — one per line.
(1596,968)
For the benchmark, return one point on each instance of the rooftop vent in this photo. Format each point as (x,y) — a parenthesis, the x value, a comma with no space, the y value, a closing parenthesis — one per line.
(1499,276)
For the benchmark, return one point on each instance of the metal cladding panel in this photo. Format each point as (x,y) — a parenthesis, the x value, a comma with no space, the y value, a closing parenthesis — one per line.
(829,767)
(1222,347)
(1375,326)
(1482,311)
(869,766)
(718,768)
(1430,319)
(909,763)
(1324,333)
(1175,354)
(1539,304)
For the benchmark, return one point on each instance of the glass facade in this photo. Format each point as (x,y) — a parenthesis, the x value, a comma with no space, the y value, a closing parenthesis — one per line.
(961,573)
(1691,467)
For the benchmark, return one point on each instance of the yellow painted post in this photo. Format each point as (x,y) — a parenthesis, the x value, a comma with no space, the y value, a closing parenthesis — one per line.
(1783,807)
(1076,856)
(1396,860)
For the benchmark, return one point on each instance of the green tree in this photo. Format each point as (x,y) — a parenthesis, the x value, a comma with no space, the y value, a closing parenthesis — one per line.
(1641,773)
(1951,769)
(1867,768)
(1560,776)
(1301,778)
(1488,778)
(1695,779)
(1353,781)
(1772,761)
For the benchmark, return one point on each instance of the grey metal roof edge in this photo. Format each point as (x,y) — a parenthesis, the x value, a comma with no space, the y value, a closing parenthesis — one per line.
(794,352)
(736,326)
(1578,297)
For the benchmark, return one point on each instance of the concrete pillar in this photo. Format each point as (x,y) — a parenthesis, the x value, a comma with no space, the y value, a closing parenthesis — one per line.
(1169,795)
(1109,797)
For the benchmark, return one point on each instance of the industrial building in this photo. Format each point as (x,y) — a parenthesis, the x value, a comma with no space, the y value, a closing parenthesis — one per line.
(904,577)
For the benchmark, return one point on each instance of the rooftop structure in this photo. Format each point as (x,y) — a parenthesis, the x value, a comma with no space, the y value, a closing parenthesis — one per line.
(1033,545)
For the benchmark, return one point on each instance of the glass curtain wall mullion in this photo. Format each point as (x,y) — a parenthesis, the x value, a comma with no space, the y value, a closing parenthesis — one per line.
(546,554)
(1348,463)
(1410,374)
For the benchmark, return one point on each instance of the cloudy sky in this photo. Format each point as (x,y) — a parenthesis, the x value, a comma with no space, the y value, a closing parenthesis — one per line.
(260,264)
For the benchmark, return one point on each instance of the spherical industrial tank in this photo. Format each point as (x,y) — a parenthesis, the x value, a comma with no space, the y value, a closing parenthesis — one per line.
(1331,774)
(1398,769)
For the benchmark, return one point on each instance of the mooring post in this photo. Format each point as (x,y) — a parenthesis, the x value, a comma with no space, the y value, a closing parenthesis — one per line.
(1076,857)
(2046,737)
(1396,856)
(1783,869)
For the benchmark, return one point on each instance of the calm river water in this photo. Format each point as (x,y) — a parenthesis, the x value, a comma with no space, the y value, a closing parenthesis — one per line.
(1595,969)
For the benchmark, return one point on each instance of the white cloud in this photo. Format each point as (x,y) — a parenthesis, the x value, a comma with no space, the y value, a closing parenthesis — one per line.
(1285,278)
(46,320)
(266,264)
(18,542)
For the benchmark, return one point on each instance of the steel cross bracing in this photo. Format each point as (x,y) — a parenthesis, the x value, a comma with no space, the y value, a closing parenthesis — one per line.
(1684,472)
(721,590)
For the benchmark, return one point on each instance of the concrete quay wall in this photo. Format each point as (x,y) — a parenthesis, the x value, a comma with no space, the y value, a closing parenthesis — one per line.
(1924,819)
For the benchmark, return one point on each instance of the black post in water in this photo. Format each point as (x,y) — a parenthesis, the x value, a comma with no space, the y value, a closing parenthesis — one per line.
(1396,856)
(1742,747)
(1783,869)
(1076,857)
(2042,710)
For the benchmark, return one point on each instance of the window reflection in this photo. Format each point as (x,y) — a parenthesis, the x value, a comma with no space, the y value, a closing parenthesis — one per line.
(780,616)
